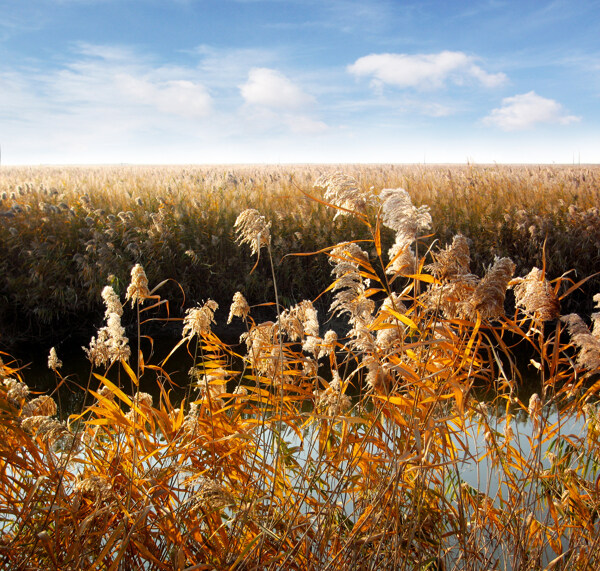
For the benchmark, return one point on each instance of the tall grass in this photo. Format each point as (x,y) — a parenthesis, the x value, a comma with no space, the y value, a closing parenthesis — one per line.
(317,448)
(67,232)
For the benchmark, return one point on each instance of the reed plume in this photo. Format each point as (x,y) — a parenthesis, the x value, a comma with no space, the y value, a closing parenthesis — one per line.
(41,406)
(198,320)
(456,285)
(259,342)
(137,291)
(351,287)
(535,295)
(587,343)
(239,307)
(453,261)
(252,229)
(344,192)
(488,297)
(54,362)
(333,399)
(110,345)
(299,321)
(399,214)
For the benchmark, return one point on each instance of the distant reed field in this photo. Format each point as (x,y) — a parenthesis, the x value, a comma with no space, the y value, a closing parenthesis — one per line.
(67,232)
(380,426)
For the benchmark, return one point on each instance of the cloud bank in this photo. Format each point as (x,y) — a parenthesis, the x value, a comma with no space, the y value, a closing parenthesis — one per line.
(424,71)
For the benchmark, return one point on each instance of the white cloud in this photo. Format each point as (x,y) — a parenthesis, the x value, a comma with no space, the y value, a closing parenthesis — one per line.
(423,71)
(525,110)
(270,88)
(176,97)
(273,100)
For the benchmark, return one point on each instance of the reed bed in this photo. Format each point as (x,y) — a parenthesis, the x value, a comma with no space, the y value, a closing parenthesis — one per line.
(311,447)
(67,232)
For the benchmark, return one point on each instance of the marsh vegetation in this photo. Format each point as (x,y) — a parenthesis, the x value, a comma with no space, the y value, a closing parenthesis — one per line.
(338,432)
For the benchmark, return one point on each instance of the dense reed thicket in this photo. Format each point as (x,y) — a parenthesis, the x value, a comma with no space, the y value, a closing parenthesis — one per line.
(314,448)
(66,232)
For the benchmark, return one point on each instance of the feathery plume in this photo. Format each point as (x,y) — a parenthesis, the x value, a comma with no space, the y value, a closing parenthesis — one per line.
(17,391)
(311,344)
(402,258)
(536,296)
(377,377)
(111,344)
(535,410)
(390,329)
(40,406)
(197,320)
(259,341)
(138,288)
(452,261)
(588,344)
(488,297)
(54,362)
(333,399)
(240,391)
(112,302)
(212,384)
(210,495)
(328,344)
(49,429)
(596,317)
(299,321)
(399,214)
(239,307)
(349,284)
(95,486)
(343,191)
(252,229)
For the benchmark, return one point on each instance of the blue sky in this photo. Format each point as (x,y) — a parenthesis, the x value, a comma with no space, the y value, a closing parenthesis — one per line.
(280,81)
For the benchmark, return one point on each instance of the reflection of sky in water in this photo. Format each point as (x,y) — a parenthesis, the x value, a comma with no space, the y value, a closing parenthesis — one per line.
(484,476)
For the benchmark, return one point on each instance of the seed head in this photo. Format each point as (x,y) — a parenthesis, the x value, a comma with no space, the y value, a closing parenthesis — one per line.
(343,191)
(17,391)
(488,297)
(111,344)
(399,214)
(112,302)
(40,406)
(197,321)
(53,360)
(588,344)
(333,399)
(536,296)
(210,495)
(239,307)
(138,288)
(452,261)
(253,229)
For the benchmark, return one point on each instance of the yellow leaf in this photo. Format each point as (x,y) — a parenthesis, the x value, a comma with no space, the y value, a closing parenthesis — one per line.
(130,372)
(423,278)
(116,390)
(406,320)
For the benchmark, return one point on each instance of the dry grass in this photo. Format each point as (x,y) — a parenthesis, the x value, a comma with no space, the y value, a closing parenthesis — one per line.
(324,449)
(66,232)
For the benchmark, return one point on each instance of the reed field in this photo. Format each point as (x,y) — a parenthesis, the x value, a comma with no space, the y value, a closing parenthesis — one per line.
(415,385)
(67,232)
